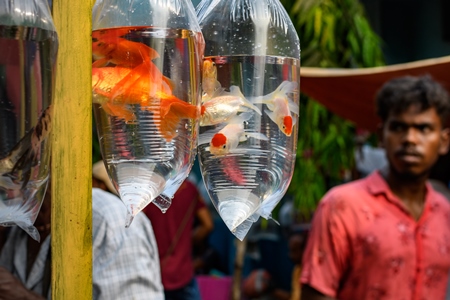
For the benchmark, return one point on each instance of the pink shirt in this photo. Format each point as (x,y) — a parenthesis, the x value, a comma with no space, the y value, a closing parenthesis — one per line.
(364,244)
(177,269)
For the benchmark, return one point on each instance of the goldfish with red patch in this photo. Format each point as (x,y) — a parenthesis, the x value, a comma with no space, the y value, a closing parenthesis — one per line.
(228,138)
(280,106)
(115,88)
(224,106)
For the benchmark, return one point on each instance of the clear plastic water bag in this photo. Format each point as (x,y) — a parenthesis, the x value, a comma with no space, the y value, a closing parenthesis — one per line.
(28,47)
(250,107)
(146,95)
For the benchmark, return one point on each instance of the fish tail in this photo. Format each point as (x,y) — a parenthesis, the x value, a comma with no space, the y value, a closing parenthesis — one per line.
(128,80)
(172,110)
(168,125)
(240,118)
(252,106)
(184,110)
(286,87)
(236,91)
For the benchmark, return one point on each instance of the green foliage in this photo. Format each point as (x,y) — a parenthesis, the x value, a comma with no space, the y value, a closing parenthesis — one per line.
(333,34)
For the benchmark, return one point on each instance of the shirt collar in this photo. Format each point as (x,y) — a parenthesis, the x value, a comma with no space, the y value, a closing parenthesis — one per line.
(377,185)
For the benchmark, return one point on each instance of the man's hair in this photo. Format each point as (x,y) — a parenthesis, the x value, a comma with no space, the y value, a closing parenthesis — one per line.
(398,94)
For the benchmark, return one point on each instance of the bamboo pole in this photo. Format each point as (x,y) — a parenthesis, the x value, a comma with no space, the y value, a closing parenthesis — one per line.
(72,154)
(241,247)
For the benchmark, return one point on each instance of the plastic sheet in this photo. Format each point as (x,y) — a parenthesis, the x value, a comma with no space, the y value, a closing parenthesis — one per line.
(146,92)
(29,44)
(250,107)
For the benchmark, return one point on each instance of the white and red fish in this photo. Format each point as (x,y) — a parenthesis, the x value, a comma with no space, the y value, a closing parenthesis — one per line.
(281,106)
(209,79)
(228,138)
(224,106)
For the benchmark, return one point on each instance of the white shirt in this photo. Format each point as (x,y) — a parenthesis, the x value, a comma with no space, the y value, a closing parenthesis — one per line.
(125,260)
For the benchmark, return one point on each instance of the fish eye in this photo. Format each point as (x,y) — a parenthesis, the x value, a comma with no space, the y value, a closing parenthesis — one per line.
(224,147)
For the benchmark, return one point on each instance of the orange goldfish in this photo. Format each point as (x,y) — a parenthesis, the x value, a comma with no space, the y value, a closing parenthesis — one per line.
(280,106)
(209,79)
(109,47)
(121,52)
(227,139)
(114,88)
(224,106)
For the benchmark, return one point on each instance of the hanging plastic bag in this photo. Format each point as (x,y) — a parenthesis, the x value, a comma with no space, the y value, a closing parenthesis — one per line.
(146,92)
(29,45)
(250,95)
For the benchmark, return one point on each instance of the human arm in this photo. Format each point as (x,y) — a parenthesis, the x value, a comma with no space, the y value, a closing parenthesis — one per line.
(327,254)
(205,224)
(12,289)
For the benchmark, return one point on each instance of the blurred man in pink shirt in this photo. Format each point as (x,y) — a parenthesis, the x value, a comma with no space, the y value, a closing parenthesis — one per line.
(387,236)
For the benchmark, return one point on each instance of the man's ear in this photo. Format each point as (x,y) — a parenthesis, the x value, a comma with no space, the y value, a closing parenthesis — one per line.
(445,141)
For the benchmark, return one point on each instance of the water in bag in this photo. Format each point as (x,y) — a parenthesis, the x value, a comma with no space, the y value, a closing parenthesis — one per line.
(249,115)
(29,44)
(145,81)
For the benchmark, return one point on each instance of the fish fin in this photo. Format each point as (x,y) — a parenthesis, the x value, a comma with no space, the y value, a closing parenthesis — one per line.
(243,138)
(152,53)
(184,110)
(128,80)
(168,126)
(257,135)
(245,116)
(110,33)
(172,110)
(100,62)
(169,82)
(257,100)
(293,107)
(236,91)
(284,88)
(270,114)
(119,111)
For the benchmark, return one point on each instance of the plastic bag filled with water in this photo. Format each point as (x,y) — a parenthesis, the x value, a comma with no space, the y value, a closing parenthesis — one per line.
(146,95)
(28,47)
(250,107)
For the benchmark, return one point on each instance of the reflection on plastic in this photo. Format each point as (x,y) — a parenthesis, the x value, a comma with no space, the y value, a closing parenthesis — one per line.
(29,44)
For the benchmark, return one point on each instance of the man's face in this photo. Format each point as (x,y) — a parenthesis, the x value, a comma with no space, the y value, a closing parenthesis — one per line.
(413,140)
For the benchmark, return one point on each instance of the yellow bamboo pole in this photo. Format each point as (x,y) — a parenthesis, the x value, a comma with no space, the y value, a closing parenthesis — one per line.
(72,154)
